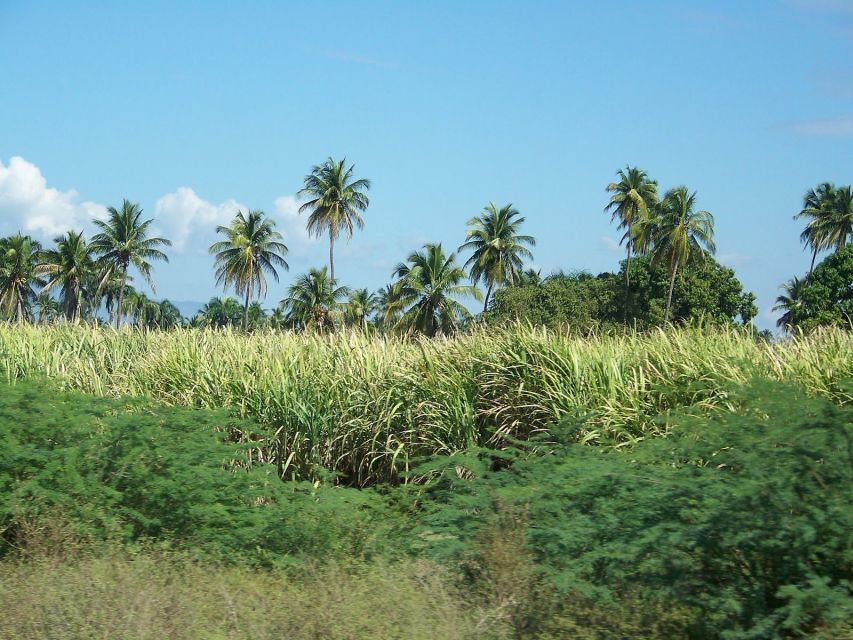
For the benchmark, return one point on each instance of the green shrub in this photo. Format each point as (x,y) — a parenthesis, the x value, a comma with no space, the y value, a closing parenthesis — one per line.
(99,469)
(741,522)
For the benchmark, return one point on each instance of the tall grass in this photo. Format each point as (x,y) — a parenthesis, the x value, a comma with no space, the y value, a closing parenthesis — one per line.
(156,596)
(364,406)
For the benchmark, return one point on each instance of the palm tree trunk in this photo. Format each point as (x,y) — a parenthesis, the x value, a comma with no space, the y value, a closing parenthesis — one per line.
(669,297)
(246,309)
(488,295)
(627,278)
(332,258)
(814,257)
(121,296)
(19,310)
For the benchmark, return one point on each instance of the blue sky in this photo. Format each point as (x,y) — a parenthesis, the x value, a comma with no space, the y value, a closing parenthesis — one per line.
(193,109)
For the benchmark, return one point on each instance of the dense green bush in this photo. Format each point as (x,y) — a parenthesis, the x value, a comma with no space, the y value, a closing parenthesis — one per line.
(578,300)
(704,289)
(134,470)
(741,523)
(735,525)
(826,297)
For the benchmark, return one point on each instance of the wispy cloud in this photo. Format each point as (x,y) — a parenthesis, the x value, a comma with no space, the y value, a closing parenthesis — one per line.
(840,126)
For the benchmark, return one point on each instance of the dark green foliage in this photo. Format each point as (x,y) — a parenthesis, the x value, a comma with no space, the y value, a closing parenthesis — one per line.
(742,522)
(126,471)
(826,296)
(578,300)
(704,289)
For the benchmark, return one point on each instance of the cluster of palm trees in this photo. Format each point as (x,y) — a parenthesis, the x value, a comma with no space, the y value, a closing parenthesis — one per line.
(670,229)
(828,212)
(75,277)
(426,293)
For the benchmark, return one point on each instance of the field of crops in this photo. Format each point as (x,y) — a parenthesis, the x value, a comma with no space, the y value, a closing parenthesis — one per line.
(365,406)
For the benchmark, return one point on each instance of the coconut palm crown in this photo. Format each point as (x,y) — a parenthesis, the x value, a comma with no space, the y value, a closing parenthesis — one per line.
(498,247)
(335,202)
(251,249)
(123,241)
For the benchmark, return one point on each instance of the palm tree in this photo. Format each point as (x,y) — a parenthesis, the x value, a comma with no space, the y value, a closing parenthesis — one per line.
(429,284)
(634,196)
(169,315)
(257,316)
(251,248)
(277,319)
(389,304)
(839,228)
(19,256)
(145,312)
(530,278)
(48,308)
(790,302)
(498,247)
(123,241)
(110,288)
(359,306)
(68,266)
(683,231)
(312,298)
(818,204)
(219,312)
(335,203)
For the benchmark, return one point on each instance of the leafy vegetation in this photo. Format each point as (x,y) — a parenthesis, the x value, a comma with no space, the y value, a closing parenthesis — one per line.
(824,297)
(364,406)
(703,290)
(737,525)
(740,523)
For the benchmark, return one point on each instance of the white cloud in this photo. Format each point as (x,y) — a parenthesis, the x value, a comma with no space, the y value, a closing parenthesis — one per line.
(29,205)
(190,221)
(182,214)
(825,128)
(292,225)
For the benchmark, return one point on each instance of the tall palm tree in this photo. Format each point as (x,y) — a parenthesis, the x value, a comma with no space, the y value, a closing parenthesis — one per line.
(123,241)
(429,283)
(312,298)
(359,306)
(336,201)
(683,232)
(68,267)
(498,247)
(839,228)
(19,257)
(818,204)
(252,247)
(791,302)
(633,197)
(110,288)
